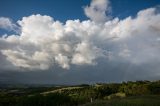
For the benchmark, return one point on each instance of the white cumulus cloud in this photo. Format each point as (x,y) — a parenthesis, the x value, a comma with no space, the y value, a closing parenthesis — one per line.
(45,42)
(7,24)
(97,10)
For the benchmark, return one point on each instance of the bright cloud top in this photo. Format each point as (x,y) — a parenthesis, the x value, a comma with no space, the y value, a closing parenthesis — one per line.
(97,10)
(45,42)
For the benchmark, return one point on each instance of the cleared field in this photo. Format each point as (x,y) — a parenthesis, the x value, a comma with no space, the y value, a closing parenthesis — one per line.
(60,90)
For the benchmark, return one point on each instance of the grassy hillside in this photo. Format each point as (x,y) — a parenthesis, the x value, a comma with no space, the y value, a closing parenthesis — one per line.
(153,100)
(139,93)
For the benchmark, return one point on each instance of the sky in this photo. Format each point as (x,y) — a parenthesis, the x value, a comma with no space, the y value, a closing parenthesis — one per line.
(79,41)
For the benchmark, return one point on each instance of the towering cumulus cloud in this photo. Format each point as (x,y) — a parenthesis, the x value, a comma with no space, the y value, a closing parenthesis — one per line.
(97,10)
(45,42)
